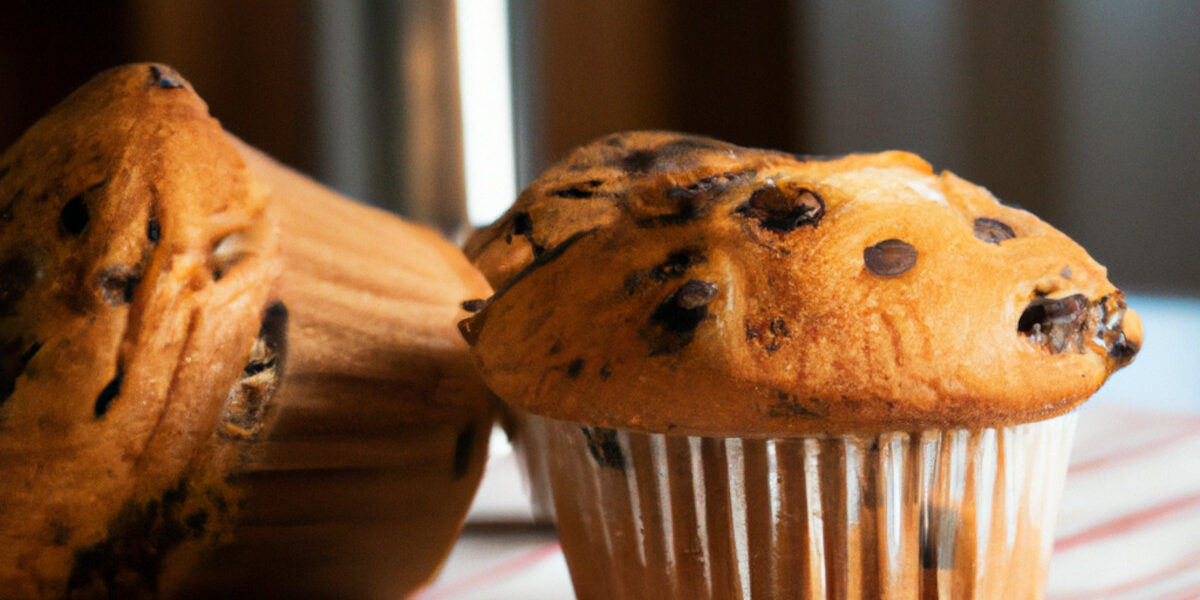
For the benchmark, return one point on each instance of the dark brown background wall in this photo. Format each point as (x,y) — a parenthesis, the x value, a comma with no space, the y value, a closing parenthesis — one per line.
(1087,112)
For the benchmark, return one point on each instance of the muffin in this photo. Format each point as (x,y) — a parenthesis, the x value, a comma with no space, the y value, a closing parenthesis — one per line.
(217,377)
(772,375)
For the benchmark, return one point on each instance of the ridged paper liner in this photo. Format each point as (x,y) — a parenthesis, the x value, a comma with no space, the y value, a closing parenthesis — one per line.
(936,514)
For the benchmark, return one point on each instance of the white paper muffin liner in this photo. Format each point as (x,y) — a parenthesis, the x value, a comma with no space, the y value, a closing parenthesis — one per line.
(961,514)
(532,449)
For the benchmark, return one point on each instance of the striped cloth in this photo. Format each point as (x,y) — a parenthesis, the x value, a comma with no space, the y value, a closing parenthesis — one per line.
(1129,528)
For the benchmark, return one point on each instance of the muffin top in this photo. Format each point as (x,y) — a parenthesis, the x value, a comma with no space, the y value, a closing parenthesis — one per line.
(137,258)
(677,284)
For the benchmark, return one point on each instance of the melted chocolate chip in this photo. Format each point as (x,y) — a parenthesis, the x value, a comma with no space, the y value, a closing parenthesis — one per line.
(153,230)
(523,226)
(246,405)
(674,322)
(1056,323)
(574,191)
(638,161)
(464,445)
(118,283)
(783,210)
(107,395)
(603,446)
(575,368)
(127,563)
(474,305)
(676,264)
(12,364)
(74,216)
(771,336)
(790,406)
(889,258)
(17,275)
(993,231)
(163,80)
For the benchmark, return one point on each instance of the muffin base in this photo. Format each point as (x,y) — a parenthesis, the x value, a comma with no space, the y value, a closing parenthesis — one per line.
(933,514)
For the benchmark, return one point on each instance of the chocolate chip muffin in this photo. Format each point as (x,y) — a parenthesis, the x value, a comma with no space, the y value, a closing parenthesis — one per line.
(776,375)
(180,414)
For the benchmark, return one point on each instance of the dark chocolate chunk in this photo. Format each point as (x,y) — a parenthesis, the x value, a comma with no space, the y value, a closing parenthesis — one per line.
(197,522)
(790,406)
(676,264)
(62,533)
(74,216)
(127,563)
(889,258)
(107,395)
(17,275)
(246,405)
(575,368)
(118,283)
(638,161)
(1056,323)
(674,322)
(163,79)
(464,446)
(783,209)
(12,364)
(993,231)
(522,223)
(475,305)
(1109,333)
(153,230)
(575,191)
(523,226)
(604,447)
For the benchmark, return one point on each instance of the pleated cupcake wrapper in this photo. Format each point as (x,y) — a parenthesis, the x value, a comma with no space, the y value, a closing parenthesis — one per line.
(956,513)
(532,449)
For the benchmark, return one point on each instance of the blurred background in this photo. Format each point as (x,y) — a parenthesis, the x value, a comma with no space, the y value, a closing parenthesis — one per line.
(1085,111)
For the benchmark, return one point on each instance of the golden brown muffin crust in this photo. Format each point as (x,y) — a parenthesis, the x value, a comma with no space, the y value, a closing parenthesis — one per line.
(137,257)
(671,283)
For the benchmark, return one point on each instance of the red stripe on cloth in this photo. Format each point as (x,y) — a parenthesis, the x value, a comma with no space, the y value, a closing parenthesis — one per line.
(1136,452)
(1191,593)
(1159,576)
(1127,522)
(493,575)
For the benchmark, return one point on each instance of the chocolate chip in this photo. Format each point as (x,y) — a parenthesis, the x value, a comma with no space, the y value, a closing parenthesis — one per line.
(575,368)
(475,305)
(197,522)
(246,404)
(153,230)
(1056,323)
(603,446)
(107,395)
(993,231)
(17,275)
(522,223)
(790,406)
(74,216)
(12,364)
(783,210)
(674,322)
(676,264)
(464,445)
(638,161)
(138,542)
(163,79)
(118,283)
(523,226)
(889,258)
(573,192)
